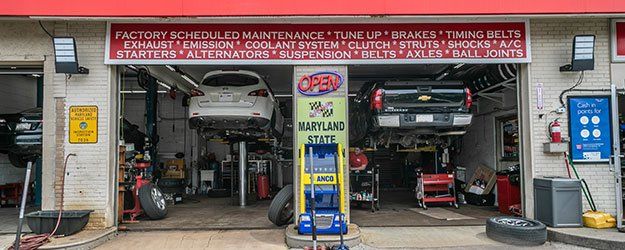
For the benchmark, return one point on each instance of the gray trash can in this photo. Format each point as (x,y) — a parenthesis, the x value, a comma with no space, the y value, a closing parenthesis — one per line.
(558,201)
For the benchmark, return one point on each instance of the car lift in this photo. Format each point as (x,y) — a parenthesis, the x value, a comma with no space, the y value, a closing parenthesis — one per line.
(324,176)
(149,83)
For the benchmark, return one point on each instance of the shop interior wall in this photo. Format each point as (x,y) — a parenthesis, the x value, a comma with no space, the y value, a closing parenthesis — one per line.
(551,41)
(173,130)
(479,144)
(17,93)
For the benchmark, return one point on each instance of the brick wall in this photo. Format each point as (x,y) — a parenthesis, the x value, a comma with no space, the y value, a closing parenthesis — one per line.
(89,175)
(551,47)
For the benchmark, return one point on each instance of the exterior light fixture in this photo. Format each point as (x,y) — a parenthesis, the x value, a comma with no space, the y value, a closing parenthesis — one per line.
(583,54)
(65,57)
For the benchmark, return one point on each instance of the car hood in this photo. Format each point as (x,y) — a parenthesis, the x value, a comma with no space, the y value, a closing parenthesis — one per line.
(30,114)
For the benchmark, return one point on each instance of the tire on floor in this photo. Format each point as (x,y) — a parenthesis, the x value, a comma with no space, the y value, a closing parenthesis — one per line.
(516,231)
(152,201)
(281,207)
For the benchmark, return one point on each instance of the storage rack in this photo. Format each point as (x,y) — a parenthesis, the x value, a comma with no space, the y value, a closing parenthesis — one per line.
(370,186)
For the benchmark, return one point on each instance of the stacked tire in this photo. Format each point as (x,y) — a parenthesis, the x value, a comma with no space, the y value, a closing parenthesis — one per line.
(172,185)
(516,231)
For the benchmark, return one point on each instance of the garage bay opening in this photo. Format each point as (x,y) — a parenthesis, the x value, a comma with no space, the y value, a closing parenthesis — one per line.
(21,134)
(433,144)
(193,137)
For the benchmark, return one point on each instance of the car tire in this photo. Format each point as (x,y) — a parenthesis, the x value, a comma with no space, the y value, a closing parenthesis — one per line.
(516,231)
(218,193)
(152,201)
(281,208)
(171,183)
(17,160)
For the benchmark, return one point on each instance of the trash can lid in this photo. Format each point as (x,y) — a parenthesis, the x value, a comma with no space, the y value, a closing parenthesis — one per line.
(557,182)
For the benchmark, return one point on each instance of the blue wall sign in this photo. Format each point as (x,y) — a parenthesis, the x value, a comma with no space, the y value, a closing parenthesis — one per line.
(589,128)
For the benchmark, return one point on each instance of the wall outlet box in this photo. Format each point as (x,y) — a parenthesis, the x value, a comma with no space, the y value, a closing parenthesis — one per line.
(555,147)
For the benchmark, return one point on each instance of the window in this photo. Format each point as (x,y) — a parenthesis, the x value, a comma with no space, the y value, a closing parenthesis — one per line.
(510,139)
(234,80)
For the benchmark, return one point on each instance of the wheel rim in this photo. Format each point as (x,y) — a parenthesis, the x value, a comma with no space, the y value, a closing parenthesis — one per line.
(514,222)
(158,199)
(287,211)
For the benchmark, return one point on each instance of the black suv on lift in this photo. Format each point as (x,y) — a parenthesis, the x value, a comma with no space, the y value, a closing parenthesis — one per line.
(21,135)
(406,111)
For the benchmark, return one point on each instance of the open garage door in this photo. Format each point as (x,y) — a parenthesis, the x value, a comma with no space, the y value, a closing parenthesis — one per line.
(441,141)
(192,122)
(21,133)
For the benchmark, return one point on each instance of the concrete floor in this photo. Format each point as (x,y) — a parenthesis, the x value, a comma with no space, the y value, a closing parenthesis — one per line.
(9,216)
(397,208)
(213,239)
(203,213)
(458,237)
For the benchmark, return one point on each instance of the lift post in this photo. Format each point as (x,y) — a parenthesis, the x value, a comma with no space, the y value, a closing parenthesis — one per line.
(242,173)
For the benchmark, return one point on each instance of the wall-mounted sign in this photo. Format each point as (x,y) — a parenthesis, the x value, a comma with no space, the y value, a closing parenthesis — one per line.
(589,128)
(83,124)
(617,36)
(387,43)
(319,83)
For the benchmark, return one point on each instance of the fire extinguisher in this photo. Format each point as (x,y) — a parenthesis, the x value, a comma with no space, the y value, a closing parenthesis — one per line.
(556,131)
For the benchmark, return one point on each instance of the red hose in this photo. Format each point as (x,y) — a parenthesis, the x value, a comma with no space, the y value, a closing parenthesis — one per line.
(38,240)
(568,168)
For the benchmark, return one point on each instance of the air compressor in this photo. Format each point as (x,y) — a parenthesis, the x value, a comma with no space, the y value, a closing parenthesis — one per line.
(326,215)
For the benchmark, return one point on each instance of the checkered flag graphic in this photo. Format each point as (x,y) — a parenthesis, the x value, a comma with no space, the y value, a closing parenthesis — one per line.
(319,109)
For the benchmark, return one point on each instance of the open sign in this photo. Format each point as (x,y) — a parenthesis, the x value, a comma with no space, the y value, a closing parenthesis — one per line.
(319,83)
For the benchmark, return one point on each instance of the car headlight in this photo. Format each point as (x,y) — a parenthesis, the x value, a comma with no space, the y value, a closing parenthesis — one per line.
(22,126)
(461,120)
(3,121)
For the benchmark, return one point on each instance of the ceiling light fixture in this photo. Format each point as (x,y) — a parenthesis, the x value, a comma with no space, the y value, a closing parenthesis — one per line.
(171,68)
(190,80)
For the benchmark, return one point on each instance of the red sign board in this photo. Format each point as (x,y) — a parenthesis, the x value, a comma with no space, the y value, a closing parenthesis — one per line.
(618,41)
(203,8)
(160,43)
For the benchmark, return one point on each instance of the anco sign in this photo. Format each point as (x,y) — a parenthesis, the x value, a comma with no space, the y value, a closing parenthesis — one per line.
(388,43)
(319,83)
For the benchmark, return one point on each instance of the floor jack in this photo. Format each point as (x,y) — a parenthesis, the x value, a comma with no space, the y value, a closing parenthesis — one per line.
(322,205)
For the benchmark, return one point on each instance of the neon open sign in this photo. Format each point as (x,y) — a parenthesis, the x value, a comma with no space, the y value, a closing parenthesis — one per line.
(319,83)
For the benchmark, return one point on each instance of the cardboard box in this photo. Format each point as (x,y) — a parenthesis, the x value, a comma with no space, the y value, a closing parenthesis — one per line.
(174,168)
(177,164)
(175,174)
(482,181)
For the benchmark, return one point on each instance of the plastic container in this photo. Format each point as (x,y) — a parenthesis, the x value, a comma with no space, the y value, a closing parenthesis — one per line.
(72,221)
(507,194)
(558,201)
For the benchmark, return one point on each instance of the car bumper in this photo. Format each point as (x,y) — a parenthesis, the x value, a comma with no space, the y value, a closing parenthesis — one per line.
(28,143)
(229,122)
(436,120)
